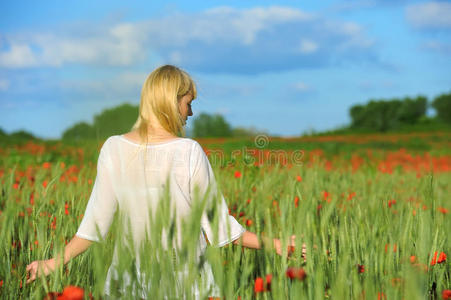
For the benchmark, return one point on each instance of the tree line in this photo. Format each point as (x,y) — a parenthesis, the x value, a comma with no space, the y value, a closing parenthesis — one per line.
(376,115)
(120,119)
(385,115)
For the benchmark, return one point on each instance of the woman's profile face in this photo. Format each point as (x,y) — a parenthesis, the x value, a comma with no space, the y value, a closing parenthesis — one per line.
(185,107)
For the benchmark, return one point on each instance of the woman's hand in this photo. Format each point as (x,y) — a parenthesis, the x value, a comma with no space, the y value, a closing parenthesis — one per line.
(39,267)
(76,246)
(291,247)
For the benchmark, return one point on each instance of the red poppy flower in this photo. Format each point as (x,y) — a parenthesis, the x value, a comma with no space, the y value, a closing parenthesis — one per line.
(72,293)
(391,203)
(434,259)
(296,273)
(446,294)
(258,285)
(361,268)
(298,178)
(268,282)
(395,247)
(441,257)
(296,201)
(53,224)
(326,196)
(442,210)
(261,285)
(318,208)
(237,174)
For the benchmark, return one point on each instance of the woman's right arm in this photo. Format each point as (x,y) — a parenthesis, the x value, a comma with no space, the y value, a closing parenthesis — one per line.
(98,215)
(75,247)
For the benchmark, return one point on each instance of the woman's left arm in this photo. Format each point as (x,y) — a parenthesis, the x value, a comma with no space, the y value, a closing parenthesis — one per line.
(250,240)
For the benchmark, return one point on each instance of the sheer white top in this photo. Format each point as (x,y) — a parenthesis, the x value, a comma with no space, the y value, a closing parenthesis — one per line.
(131,178)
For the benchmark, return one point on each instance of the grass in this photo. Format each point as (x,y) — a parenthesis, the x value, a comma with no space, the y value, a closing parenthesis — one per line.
(343,217)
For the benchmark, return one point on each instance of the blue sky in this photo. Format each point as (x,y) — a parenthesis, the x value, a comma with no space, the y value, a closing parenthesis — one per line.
(285,67)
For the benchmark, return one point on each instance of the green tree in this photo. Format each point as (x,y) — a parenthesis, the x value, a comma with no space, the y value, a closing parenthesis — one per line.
(377,115)
(3,133)
(116,120)
(384,115)
(206,125)
(412,110)
(80,131)
(246,132)
(442,105)
(22,135)
(358,116)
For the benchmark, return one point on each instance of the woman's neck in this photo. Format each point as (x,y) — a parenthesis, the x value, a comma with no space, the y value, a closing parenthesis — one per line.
(156,132)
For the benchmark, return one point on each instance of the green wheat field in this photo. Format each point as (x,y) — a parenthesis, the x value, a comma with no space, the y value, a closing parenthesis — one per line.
(375,217)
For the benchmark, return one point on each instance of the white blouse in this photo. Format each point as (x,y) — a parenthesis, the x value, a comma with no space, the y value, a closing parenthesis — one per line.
(132,177)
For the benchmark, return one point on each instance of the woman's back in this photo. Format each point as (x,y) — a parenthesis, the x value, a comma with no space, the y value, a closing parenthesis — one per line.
(133,179)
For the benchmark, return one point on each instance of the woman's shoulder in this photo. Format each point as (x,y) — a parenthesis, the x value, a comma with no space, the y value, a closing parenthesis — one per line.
(130,138)
(194,144)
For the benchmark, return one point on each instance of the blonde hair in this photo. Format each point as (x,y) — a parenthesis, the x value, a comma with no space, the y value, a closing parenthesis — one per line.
(160,94)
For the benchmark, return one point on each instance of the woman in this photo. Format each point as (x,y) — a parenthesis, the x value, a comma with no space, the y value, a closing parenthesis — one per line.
(133,170)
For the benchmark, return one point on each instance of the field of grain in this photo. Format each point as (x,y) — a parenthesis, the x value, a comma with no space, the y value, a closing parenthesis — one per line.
(373,211)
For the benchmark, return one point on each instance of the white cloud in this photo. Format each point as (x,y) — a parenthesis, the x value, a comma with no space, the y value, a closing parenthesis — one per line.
(307,46)
(17,56)
(222,39)
(302,86)
(131,79)
(123,84)
(121,45)
(4,84)
(438,46)
(430,15)
(246,24)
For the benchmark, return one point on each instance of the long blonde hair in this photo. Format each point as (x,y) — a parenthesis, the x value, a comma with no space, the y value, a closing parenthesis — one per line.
(160,95)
